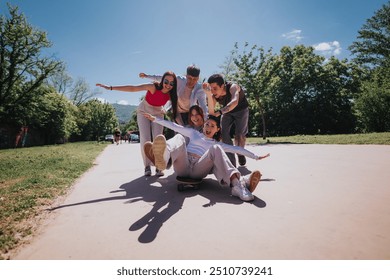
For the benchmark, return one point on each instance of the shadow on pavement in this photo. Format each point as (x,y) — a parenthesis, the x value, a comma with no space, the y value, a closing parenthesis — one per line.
(166,199)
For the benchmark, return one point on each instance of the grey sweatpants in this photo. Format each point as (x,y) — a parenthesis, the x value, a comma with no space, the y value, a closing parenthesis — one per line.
(148,130)
(214,160)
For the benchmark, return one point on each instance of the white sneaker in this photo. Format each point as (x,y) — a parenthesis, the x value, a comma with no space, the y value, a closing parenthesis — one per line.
(251,181)
(159,147)
(242,192)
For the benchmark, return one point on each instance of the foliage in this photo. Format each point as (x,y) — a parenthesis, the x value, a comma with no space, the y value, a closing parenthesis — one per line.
(372,106)
(254,69)
(336,139)
(372,50)
(96,119)
(297,91)
(372,47)
(57,120)
(22,69)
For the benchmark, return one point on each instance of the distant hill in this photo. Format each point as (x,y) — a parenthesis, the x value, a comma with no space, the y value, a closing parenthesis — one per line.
(124,112)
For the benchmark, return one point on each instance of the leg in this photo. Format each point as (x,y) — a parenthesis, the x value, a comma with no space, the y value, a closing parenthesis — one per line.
(215,160)
(174,148)
(226,124)
(241,124)
(178,152)
(144,126)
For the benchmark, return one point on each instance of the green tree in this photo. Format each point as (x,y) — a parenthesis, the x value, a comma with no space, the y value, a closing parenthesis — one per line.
(57,118)
(372,47)
(372,106)
(372,50)
(254,68)
(297,91)
(96,119)
(22,68)
(310,95)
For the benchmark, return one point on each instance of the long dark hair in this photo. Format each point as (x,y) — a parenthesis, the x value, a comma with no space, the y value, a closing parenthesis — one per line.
(172,92)
(217,136)
(199,110)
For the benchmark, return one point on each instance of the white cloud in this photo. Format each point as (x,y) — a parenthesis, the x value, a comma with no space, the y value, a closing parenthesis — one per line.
(328,48)
(294,35)
(123,102)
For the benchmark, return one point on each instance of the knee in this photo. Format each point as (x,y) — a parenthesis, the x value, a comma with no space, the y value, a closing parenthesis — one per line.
(181,138)
(216,149)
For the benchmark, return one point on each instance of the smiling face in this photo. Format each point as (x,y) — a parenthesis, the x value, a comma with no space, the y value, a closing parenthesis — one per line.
(196,118)
(210,128)
(168,83)
(217,90)
(191,81)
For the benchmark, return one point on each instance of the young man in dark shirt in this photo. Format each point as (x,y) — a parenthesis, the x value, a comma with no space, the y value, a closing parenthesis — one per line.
(234,111)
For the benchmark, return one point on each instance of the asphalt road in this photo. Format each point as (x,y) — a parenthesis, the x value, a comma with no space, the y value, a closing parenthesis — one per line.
(328,202)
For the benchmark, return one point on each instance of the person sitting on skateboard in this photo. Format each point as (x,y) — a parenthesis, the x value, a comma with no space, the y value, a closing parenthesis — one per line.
(195,121)
(203,155)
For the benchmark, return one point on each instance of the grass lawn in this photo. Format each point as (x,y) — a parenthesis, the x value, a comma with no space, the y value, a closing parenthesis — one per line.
(31,179)
(350,139)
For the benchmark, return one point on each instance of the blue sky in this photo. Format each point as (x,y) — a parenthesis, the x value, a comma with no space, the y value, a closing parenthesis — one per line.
(112,41)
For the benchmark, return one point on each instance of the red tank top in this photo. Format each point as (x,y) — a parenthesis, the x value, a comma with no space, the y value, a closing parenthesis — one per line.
(158,98)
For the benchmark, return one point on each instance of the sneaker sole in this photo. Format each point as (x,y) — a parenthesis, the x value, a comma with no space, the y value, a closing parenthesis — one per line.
(148,146)
(254,180)
(159,146)
(241,160)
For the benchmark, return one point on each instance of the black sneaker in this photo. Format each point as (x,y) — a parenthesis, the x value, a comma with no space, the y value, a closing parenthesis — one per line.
(148,172)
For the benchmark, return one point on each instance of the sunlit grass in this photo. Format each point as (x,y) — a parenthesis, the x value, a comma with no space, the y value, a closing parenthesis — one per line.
(32,178)
(351,139)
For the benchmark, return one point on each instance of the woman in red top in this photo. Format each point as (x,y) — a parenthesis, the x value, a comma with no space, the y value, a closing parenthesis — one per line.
(157,95)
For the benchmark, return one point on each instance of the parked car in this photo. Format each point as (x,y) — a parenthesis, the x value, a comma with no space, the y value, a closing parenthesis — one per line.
(109,137)
(133,138)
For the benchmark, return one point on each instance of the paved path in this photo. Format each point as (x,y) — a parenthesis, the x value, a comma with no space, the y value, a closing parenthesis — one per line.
(314,202)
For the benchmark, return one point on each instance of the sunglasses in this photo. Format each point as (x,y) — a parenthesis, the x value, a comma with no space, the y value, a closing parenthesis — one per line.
(166,82)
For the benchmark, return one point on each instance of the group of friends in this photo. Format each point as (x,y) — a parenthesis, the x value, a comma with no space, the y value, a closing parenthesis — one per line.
(202,143)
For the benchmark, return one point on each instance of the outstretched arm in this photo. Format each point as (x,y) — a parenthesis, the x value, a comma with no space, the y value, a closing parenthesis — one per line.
(129,88)
(171,125)
(242,151)
(263,157)
(156,78)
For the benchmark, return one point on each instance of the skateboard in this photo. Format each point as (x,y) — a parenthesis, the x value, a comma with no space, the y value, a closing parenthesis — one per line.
(187,183)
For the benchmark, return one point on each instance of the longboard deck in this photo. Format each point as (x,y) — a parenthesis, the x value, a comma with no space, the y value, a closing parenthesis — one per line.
(187,183)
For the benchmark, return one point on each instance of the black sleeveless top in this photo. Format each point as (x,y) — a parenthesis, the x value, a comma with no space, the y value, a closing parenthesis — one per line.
(242,101)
